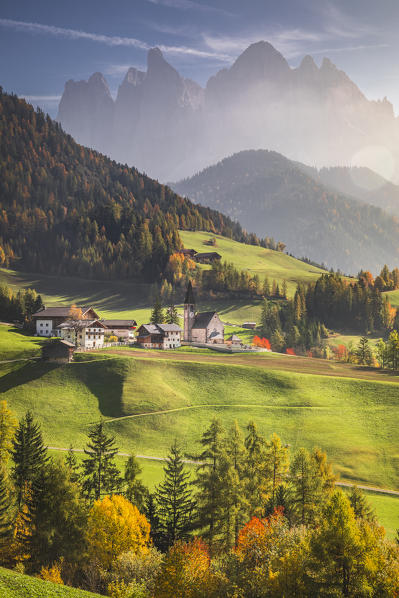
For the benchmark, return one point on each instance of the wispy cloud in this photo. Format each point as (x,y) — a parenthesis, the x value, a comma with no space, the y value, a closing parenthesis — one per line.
(190,5)
(109,40)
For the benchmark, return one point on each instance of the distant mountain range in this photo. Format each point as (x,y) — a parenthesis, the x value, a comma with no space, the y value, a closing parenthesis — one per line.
(324,214)
(170,127)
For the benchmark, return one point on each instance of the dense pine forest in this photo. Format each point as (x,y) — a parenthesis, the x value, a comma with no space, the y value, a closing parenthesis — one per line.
(66,209)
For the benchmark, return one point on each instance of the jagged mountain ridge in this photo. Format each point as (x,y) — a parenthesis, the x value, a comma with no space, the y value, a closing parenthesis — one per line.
(267,192)
(170,127)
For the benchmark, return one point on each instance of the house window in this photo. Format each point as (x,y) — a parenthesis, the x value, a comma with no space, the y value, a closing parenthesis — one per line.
(41,323)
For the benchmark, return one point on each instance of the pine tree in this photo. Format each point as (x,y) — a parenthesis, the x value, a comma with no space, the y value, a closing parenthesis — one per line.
(100,474)
(171,315)
(209,483)
(72,465)
(157,314)
(360,505)
(135,491)
(29,455)
(173,497)
(363,352)
(305,488)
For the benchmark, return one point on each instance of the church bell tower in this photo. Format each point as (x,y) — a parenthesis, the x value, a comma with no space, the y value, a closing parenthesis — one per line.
(189,312)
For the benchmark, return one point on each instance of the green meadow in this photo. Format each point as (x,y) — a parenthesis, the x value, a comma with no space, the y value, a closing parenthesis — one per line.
(15,585)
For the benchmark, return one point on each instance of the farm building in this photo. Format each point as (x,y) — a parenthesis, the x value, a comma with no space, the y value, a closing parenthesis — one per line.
(234,340)
(123,329)
(47,319)
(208,257)
(58,351)
(159,336)
(88,334)
(205,327)
(249,325)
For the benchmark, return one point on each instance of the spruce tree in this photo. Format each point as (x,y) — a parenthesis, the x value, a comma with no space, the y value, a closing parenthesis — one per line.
(209,483)
(360,505)
(306,488)
(171,315)
(135,491)
(151,512)
(363,352)
(29,455)
(72,465)
(174,499)
(100,474)
(157,314)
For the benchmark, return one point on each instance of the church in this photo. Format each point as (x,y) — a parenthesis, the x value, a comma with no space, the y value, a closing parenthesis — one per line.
(204,327)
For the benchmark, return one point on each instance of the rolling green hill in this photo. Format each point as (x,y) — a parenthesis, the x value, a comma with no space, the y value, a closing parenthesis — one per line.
(15,585)
(148,400)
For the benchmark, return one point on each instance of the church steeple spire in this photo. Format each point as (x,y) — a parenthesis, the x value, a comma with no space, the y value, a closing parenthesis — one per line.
(189,312)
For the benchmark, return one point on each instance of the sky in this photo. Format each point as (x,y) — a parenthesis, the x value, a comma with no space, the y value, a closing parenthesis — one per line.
(47,42)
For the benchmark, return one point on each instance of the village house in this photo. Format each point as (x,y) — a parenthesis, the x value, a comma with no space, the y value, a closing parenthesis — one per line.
(47,319)
(123,329)
(58,351)
(85,334)
(207,257)
(234,341)
(205,327)
(159,336)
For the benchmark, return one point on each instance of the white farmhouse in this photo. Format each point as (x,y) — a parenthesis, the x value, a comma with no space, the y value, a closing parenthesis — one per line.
(88,334)
(47,319)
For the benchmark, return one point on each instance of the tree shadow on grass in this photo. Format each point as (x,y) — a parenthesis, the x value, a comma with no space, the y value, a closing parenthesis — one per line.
(105,379)
(29,372)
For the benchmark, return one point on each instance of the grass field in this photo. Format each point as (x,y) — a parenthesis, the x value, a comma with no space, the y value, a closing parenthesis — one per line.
(15,585)
(16,345)
(175,395)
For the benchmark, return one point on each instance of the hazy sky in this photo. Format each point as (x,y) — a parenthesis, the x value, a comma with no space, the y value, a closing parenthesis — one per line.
(43,43)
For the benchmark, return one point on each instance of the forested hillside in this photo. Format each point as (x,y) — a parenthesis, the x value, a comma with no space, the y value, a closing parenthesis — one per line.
(269,194)
(66,209)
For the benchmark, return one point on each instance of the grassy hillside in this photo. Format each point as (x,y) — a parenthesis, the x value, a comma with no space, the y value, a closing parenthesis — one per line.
(16,345)
(128,299)
(257,260)
(15,585)
(173,395)
(169,399)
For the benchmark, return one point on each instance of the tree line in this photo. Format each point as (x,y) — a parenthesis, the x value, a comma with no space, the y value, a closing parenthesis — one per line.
(244,519)
(18,306)
(66,209)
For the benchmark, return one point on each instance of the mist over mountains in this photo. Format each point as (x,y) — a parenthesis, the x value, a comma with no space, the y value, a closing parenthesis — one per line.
(170,127)
(310,209)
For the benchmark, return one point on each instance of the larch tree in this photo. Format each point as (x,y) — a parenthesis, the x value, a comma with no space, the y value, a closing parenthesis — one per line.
(277,459)
(306,487)
(8,425)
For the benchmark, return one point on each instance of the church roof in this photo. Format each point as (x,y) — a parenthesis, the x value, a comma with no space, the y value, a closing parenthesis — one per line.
(189,298)
(203,319)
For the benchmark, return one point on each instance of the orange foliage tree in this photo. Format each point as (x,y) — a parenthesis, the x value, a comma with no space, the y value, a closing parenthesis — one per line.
(186,572)
(264,343)
(290,351)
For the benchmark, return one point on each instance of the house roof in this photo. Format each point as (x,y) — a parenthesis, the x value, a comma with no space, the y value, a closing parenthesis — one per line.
(62,311)
(116,323)
(160,328)
(67,344)
(208,254)
(80,324)
(203,319)
(189,298)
